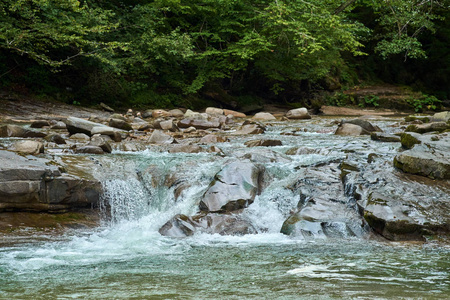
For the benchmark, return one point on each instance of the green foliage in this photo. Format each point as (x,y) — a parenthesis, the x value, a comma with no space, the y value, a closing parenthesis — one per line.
(424,102)
(370,100)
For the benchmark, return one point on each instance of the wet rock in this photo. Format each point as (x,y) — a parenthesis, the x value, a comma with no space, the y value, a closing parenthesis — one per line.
(233,188)
(324,209)
(199,123)
(131,146)
(427,155)
(120,124)
(264,116)
(28,147)
(410,139)
(265,143)
(159,137)
(186,149)
(420,161)
(78,125)
(367,126)
(350,129)
(428,127)
(251,128)
(223,224)
(298,114)
(55,138)
(262,155)
(384,137)
(18,131)
(39,124)
(89,149)
(39,184)
(212,139)
(102,142)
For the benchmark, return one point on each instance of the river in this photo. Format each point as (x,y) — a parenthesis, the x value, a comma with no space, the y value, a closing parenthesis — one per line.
(127,258)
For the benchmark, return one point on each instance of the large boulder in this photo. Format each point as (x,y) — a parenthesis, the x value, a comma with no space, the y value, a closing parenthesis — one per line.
(78,125)
(120,124)
(19,131)
(428,155)
(28,147)
(39,184)
(428,127)
(443,116)
(233,188)
(298,114)
(355,127)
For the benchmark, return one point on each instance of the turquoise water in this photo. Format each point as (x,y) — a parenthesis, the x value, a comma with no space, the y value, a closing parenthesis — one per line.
(126,258)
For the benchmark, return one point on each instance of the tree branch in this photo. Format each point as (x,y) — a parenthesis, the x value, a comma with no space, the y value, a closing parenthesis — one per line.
(343,7)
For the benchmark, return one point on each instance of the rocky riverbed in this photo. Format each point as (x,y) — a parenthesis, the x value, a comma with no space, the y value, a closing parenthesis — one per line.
(386,176)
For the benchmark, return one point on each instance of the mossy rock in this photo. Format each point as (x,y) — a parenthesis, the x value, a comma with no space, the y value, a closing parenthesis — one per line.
(408,141)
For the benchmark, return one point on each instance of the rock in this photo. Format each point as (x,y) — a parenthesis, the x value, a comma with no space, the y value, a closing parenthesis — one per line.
(190,130)
(120,124)
(324,209)
(396,219)
(18,131)
(264,116)
(102,142)
(39,124)
(186,149)
(198,123)
(251,128)
(58,125)
(420,161)
(159,137)
(367,126)
(131,146)
(39,185)
(266,143)
(350,129)
(55,138)
(228,112)
(212,139)
(223,224)
(214,111)
(77,125)
(410,139)
(262,155)
(147,113)
(384,137)
(80,137)
(89,150)
(114,133)
(298,114)
(233,188)
(106,107)
(191,114)
(157,113)
(28,147)
(165,125)
(144,126)
(428,127)
(176,113)
(443,116)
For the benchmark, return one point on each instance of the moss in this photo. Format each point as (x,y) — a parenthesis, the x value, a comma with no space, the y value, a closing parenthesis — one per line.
(408,141)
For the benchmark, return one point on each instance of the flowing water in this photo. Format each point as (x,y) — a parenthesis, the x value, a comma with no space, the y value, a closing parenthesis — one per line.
(127,258)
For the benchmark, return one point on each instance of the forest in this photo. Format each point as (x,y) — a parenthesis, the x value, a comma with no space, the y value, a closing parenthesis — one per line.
(228,53)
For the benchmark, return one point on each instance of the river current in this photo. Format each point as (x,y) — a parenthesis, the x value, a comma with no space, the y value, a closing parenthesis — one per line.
(127,258)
